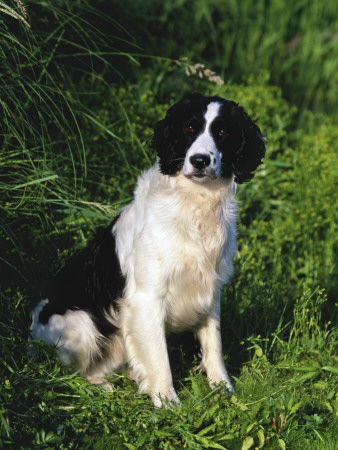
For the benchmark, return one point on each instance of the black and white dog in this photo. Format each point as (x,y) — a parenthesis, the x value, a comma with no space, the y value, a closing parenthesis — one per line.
(159,267)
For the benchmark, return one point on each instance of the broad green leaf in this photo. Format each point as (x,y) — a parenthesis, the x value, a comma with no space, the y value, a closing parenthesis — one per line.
(210,444)
(261,438)
(227,437)
(307,376)
(295,407)
(250,427)
(130,446)
(207,429)
(330,369)
(281,444)
(247,443)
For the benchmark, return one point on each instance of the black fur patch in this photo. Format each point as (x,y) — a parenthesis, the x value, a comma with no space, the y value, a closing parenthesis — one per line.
(92,281)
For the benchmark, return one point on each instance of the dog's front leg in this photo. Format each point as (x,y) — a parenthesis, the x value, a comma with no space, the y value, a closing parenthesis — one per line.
(211,345)
(145,341)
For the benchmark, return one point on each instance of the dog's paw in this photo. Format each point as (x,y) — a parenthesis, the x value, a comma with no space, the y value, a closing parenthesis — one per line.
(99,381)
(228,389)
(169,399)
(224,386)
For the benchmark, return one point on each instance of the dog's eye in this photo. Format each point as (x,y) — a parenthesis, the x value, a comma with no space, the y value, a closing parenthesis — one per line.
(222,133)
(189,129)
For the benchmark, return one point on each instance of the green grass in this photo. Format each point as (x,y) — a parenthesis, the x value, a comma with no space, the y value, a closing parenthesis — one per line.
(77,118)
(285,396)
(295,41)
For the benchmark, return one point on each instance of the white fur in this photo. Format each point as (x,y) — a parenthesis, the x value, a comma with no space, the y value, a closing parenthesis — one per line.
(205,145)
(175,243)
(74,334)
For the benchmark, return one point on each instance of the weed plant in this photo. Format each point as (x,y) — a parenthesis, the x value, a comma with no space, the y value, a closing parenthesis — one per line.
(75,137)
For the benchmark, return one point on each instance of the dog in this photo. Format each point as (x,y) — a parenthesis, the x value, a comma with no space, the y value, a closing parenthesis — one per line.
(161,264)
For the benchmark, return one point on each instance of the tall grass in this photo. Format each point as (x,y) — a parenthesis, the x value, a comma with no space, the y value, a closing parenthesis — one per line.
(296,42)
(50,80)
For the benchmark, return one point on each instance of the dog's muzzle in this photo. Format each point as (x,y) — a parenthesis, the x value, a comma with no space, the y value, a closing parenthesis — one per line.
(201,166)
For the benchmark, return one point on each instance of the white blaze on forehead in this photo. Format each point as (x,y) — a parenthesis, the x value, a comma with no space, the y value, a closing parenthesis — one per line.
(204,144)
(211,113)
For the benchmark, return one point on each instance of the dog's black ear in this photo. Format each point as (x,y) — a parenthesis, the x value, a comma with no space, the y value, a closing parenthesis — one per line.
(164,145)
(252,149)
(168,139)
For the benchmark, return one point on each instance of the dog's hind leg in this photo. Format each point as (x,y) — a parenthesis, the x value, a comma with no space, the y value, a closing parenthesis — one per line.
(113,359)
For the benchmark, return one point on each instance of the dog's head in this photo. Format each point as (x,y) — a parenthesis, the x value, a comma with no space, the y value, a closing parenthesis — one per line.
(206,138)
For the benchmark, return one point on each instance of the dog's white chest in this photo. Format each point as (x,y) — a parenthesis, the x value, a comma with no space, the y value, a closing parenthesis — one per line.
(192,274)
(177,251)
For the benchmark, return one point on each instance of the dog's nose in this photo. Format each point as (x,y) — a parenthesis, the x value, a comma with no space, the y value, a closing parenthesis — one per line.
(200,161)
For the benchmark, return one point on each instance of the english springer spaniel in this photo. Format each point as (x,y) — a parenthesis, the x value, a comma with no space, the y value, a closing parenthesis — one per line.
(160,266)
